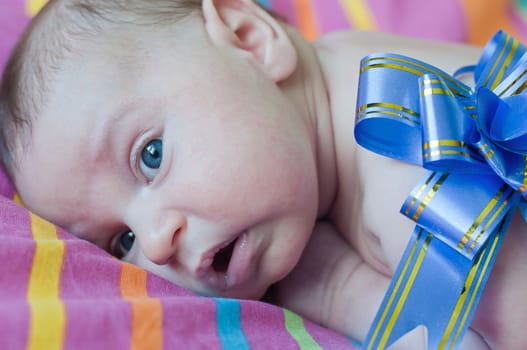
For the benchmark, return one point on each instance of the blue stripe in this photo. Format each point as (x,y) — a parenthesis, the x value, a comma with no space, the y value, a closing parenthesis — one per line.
(229,324)
(265,3)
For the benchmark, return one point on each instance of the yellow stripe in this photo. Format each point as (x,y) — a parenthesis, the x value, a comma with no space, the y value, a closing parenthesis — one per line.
(33,6)
(490,205)
(359,14)
(395,290)
(406,291)
(17,199)
(48,316)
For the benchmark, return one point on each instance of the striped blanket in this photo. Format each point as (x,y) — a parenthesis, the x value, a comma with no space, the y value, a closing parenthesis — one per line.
(57,291)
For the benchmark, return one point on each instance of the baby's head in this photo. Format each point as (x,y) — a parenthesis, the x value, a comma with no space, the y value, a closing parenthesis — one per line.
(168,133)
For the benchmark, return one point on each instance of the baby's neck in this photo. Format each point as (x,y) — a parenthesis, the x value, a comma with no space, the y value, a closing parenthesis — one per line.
(308,87)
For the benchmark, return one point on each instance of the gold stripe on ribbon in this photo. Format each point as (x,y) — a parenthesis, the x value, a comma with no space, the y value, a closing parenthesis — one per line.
(518,90)
(461,301)
(490,221)
(505,65)
(439,143)
(487,152)
(429,196)
(48,316)
(406,291)
(418,194)
(484,213)
(525,172)
(396,288)
(454,84)
(436,91)
(363,111)
(478,285)
(393,114)
(496,61)
(430,82)
(393,66)
(443,152)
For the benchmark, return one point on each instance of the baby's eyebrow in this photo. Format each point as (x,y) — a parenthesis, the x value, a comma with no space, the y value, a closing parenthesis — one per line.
(108,135)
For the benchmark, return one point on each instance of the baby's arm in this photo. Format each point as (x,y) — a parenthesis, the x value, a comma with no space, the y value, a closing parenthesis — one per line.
(333,286)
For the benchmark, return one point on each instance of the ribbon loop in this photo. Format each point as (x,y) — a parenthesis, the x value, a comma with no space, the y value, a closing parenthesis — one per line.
(444,129)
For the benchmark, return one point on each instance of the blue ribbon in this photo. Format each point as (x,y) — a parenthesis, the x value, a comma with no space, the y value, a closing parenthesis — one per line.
(473,143)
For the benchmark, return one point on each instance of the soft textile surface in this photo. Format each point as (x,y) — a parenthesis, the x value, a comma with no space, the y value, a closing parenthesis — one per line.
(472,21)
(57,291)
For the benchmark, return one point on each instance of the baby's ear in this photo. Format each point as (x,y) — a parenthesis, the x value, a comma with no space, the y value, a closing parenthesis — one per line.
(244,25)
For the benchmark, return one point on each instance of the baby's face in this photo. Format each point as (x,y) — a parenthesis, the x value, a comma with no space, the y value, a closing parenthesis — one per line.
(191,149)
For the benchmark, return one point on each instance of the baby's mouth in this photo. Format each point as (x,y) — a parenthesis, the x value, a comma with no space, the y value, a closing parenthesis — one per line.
(227,265)
(221,260)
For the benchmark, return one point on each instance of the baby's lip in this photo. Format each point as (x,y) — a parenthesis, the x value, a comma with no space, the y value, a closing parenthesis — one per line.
(226,265)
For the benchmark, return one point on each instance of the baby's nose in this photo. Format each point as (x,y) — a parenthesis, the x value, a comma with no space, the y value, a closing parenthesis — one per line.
(159,242)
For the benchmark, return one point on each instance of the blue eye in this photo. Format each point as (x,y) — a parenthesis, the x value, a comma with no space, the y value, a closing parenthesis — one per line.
(123,244)
(151,157)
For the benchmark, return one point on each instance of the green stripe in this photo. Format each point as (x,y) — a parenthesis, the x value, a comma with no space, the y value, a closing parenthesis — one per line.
(296,328)
(522,5)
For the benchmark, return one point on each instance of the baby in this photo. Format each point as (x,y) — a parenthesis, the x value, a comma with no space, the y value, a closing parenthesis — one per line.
(207,142)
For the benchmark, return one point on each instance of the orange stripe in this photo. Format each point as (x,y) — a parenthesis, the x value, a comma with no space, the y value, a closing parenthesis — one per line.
(147,313)
(484,18)
(307,23)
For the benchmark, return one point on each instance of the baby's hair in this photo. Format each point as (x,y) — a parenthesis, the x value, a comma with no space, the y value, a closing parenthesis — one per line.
(49,39)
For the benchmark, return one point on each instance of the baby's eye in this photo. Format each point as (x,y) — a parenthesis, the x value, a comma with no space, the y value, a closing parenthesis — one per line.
(151,157)
(122,244)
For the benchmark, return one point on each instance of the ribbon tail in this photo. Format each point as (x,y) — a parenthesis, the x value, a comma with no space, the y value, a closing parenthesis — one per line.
(436,287)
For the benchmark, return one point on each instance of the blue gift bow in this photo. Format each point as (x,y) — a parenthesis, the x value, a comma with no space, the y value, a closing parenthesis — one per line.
(474,143)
